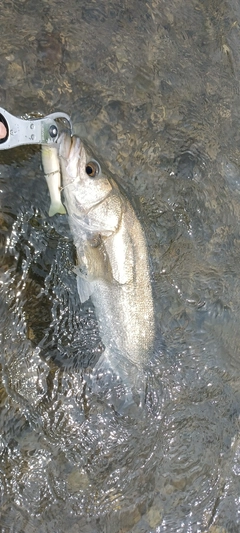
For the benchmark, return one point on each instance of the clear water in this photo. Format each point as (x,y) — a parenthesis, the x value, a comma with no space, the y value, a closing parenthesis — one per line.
(154,88)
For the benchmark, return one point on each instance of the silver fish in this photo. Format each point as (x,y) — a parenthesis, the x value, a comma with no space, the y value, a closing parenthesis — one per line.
(113,267)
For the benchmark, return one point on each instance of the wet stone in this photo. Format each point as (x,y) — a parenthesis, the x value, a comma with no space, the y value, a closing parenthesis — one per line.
(77,480)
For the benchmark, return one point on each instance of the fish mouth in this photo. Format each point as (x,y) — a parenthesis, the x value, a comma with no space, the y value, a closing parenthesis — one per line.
(72,156)
(69,147)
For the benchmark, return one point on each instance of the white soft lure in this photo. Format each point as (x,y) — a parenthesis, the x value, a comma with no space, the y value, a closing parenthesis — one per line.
(51,168)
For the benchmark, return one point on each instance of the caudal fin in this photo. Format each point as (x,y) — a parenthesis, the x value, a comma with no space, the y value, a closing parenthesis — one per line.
(121,382)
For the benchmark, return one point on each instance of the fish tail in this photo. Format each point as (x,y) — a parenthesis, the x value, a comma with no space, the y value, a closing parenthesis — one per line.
(125,385)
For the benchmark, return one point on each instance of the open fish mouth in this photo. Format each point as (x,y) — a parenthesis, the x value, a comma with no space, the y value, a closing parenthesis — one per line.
(71,152)
(69,147)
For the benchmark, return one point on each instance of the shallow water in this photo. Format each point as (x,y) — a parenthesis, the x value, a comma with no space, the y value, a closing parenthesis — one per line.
(154,88)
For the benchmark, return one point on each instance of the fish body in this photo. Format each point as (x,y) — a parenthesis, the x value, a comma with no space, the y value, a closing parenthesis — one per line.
(51,168)
(113,268)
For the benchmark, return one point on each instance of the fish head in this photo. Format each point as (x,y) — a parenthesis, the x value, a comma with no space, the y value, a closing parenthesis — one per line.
(84,183)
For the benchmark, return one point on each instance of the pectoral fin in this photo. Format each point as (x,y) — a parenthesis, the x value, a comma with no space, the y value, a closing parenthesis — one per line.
(97,261)
(94,266)
(84,289)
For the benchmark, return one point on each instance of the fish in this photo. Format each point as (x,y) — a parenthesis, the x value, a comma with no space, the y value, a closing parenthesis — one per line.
(51,168)
(112,261)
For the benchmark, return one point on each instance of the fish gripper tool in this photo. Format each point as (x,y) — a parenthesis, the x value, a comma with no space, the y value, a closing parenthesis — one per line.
(20,131)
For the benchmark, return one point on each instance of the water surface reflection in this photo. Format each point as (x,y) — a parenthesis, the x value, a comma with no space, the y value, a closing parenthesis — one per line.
(154,88)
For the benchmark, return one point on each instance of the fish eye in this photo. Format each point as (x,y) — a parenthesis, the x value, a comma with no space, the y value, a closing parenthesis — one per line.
(93,169)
